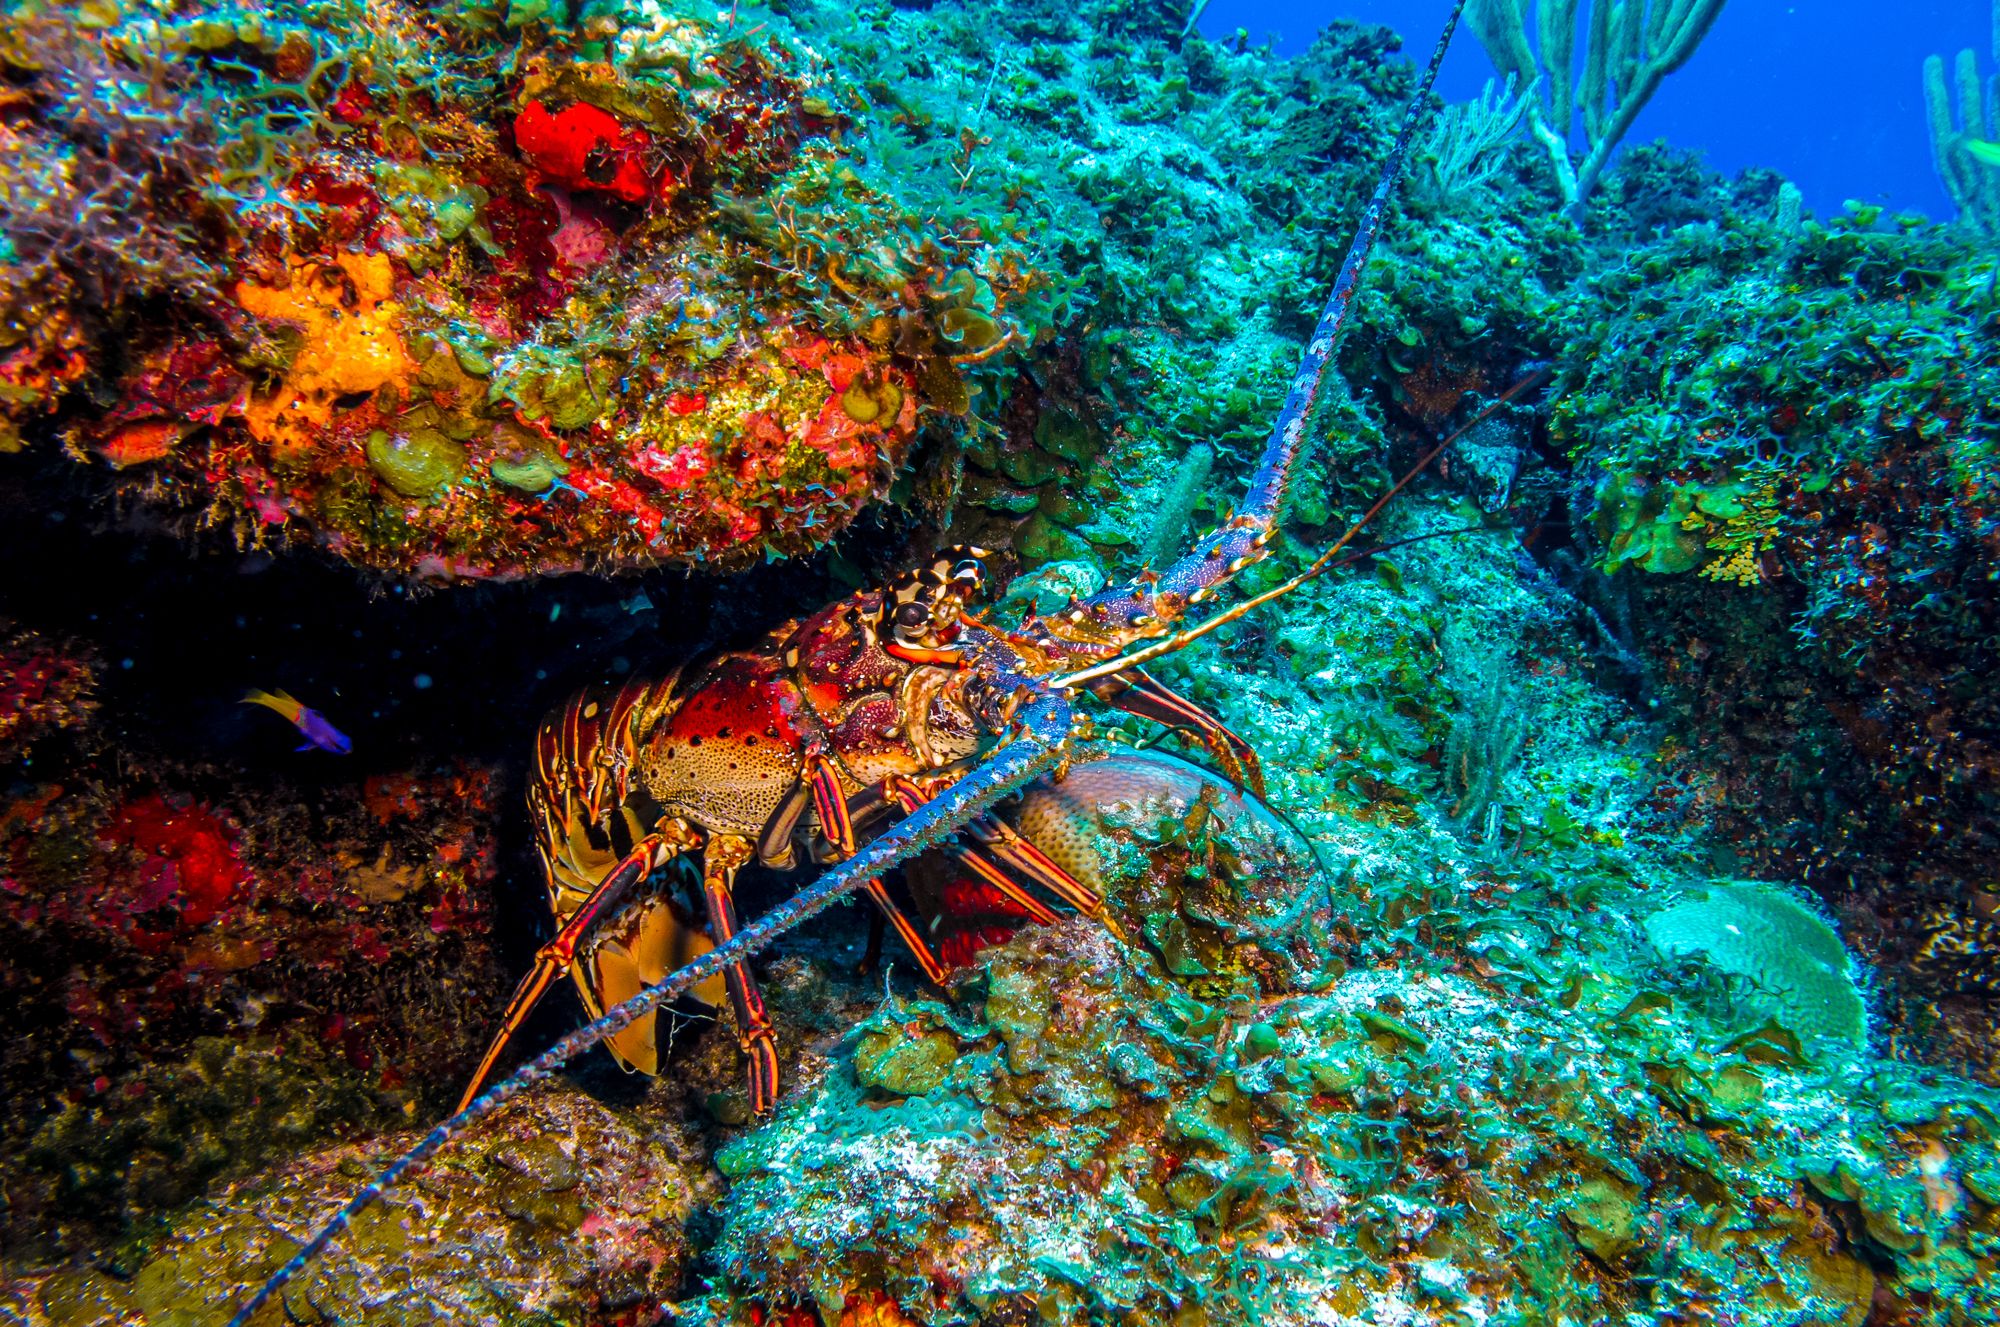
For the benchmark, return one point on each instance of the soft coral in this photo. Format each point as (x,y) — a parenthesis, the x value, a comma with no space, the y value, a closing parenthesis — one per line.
(189,856)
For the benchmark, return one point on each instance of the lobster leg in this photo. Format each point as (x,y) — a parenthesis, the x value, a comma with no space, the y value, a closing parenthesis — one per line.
(906,930)
(830,802)
(555,956)
(1139,692)
(1035,745)
(720,860)
(998,844)
(993,874)
(999,839)
(837,825)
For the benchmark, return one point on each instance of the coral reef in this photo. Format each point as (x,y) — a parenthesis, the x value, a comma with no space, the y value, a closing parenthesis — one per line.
(462,297)
(1199,1127)
(1794,966)
(1810,430)
(1623,912)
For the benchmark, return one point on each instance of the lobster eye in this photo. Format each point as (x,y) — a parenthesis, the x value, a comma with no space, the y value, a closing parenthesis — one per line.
(912,615)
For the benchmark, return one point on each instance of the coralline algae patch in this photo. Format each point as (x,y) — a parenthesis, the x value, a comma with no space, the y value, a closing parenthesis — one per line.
(204,983)
(570,1206)
(491,300)
(773,447)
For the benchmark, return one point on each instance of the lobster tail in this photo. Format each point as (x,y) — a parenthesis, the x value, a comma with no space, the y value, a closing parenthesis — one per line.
(589,817)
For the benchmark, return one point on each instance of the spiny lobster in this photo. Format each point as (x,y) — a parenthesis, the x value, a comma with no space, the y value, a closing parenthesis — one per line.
(899,698)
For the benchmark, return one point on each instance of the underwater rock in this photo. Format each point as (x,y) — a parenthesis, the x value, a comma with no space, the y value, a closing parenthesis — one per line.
(1804,549)
(1093,1135)
(46,686)
(1305,1096)
(650,246)
(563,1210)
(203,987)
(1052,586)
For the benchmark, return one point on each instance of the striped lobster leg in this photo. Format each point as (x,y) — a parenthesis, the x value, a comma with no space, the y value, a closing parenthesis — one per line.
(1138,692)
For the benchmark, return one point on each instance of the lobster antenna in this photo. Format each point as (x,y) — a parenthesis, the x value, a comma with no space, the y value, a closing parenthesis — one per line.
(1180,640)
(1267,487)
(1041,726)
(1223,552)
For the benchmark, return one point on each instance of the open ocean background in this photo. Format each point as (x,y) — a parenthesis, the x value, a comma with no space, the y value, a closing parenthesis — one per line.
(1827,92)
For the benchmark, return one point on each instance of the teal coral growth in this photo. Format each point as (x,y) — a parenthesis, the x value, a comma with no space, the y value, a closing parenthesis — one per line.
(1606,930)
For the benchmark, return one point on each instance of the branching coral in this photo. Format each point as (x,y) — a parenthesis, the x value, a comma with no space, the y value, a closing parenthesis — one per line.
(1466,147)
(1963,132)
(1631,45)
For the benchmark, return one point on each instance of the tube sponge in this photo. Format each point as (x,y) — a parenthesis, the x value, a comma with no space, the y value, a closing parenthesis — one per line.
(1795,964)
(1177,502)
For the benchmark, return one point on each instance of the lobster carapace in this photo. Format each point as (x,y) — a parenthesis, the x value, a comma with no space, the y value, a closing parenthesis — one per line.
(776,753)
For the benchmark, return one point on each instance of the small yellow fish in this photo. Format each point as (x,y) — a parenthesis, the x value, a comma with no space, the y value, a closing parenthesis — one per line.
(312,725)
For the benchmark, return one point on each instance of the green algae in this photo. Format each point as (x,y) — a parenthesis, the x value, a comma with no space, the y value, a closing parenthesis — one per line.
(417,463)
(1645,526)
(524,460)
(908,1063)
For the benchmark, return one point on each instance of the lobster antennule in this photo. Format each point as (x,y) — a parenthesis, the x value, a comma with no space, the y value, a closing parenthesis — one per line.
(1148,607)
(1327,560)
(1041,727)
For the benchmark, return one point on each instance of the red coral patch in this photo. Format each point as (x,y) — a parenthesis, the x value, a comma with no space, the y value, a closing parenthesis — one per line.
(582,147)
(188,857)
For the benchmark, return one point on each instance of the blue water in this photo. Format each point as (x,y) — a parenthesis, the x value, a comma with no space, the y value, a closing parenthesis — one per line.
(1826,91)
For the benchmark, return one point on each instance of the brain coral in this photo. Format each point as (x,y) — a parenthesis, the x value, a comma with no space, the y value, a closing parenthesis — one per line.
(1793,961)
